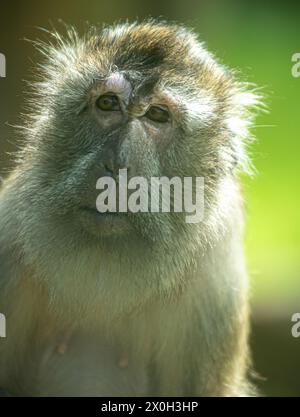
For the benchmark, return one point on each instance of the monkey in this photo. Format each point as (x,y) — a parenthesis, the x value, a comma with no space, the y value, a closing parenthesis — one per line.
(127,304)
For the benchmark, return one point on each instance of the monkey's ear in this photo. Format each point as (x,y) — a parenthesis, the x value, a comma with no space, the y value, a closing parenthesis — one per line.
(245,103)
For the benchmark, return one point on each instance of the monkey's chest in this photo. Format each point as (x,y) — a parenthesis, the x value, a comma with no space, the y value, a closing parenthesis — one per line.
(89,366)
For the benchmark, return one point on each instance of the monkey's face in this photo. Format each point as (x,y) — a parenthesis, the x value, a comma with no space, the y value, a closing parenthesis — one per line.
(146,98)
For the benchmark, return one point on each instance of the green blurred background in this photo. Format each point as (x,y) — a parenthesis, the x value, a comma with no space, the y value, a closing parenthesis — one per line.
(259,39)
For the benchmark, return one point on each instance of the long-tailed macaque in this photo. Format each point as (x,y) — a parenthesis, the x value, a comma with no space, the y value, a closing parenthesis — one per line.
(133,304)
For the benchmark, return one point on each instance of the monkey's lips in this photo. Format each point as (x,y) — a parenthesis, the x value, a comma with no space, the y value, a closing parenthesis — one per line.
(103,223)
(94,212)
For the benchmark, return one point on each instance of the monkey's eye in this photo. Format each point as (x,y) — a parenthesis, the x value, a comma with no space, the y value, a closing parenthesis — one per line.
(108,102)
(158,114)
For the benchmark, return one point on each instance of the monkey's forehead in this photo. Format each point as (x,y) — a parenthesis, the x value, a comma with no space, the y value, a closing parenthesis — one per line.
(145,46)
(158,50)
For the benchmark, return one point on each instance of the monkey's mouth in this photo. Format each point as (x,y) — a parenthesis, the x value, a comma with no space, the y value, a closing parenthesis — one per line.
(94,212)
(103,223)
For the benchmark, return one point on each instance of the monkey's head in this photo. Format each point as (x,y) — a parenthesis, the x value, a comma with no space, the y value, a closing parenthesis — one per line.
(148,98)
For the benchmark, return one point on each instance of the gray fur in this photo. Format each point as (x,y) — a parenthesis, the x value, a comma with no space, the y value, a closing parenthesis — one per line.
(172,295)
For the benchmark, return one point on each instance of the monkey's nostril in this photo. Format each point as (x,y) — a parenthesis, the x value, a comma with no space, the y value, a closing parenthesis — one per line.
(112,170)
(108,172)
(109,168)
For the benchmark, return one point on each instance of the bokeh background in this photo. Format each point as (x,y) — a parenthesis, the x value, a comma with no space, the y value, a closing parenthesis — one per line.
(259,39)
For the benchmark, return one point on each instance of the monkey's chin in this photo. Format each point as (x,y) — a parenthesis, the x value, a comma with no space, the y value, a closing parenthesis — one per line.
(104,224)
